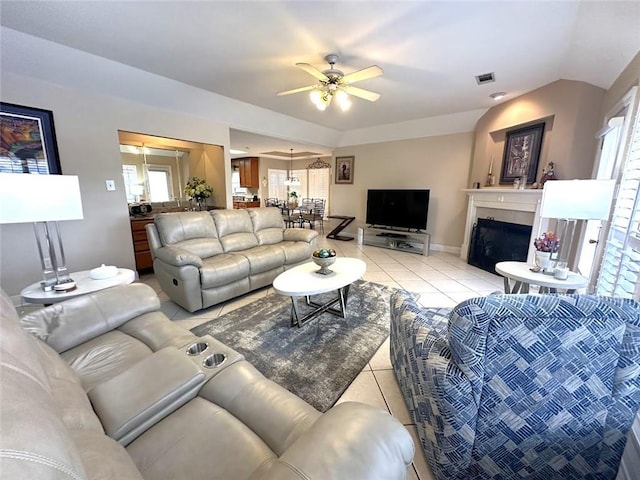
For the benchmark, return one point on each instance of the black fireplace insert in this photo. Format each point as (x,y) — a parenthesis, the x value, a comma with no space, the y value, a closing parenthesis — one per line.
(493,241)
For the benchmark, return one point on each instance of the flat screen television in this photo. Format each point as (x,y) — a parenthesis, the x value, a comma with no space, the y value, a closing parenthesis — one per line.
(398,208)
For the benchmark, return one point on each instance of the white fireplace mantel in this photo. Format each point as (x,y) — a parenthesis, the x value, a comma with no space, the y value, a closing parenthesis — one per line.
(527,200)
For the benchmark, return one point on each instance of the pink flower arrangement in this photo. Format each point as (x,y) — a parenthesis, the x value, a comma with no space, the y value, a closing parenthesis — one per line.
(547,242)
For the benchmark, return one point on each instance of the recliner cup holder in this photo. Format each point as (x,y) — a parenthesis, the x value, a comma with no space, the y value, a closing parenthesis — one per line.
(197,348)
(214,360)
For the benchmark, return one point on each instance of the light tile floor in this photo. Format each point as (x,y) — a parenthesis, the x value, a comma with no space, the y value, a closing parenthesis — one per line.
(441,280)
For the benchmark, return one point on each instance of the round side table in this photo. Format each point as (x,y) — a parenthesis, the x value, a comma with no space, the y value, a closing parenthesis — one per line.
(84,284)
(522,276)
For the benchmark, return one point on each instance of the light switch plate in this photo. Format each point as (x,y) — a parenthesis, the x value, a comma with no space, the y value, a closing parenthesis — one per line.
(111,185)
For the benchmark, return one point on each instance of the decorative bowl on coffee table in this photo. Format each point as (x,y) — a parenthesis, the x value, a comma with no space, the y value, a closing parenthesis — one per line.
(324,258)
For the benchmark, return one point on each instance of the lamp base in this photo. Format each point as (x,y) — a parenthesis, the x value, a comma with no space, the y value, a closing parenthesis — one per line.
(67,286)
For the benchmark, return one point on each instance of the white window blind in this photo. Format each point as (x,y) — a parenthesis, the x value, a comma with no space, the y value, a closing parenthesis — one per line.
(318,186)
(314,183)
(302,189)
(620,270)
(277,188)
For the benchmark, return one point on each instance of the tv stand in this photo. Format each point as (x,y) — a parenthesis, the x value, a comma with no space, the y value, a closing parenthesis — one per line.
(394,239)
(391,234)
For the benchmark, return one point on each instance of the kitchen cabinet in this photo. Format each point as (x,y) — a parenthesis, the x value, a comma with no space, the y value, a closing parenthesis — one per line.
(246,204)
(141,249)
(249,173)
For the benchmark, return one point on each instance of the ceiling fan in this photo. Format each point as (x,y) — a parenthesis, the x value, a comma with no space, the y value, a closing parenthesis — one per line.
(334,82)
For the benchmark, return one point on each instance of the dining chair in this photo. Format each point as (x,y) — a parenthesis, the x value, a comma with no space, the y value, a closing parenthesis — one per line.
(315,215)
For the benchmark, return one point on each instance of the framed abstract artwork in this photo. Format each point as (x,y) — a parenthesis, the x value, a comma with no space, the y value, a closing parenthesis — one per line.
(344,169)
(27,140)
(521,154)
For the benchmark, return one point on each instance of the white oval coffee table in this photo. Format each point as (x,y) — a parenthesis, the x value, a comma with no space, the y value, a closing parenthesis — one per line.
(304,281)
(522,275)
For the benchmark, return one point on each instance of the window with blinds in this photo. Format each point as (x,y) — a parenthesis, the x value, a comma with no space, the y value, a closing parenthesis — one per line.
(620,271)
(314,183)
(318,185)
(301,189)
(277,188)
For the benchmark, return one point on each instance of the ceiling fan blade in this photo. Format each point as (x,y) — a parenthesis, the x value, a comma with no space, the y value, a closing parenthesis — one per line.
(311,70)
(297,90)
(361,93)
(369,72)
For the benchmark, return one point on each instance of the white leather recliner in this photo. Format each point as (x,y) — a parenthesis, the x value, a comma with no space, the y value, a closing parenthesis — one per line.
(104,386)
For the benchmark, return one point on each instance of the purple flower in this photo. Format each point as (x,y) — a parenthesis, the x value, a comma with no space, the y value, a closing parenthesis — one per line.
(547,242)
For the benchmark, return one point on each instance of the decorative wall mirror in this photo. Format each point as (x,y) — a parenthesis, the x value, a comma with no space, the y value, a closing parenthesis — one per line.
(156,169)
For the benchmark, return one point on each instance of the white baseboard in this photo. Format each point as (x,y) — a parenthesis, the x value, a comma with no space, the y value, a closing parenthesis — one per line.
(445,248)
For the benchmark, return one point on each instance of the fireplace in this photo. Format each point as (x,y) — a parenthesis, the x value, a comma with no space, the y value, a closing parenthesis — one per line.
(493,241)
(507,205)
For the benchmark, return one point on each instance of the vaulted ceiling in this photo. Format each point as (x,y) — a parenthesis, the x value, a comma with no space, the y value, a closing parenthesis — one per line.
(430,51)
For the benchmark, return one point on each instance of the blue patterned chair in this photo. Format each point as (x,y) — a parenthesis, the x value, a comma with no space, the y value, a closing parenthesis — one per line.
(520,386)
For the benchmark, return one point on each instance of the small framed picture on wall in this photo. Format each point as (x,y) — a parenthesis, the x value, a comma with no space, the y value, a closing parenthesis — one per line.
(344,169)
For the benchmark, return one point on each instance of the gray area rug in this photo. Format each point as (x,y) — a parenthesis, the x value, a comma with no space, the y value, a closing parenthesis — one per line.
(318,361)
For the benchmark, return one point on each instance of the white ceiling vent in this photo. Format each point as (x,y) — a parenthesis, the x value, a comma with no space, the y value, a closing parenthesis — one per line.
(485,78)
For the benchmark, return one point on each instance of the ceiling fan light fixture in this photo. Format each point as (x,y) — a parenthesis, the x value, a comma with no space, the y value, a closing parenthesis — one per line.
(334,82)
(291,181)
(315,96)
(320,99)
(343,100)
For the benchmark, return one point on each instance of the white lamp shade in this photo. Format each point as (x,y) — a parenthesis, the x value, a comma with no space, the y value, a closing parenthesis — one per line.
(577,199)
(39,198)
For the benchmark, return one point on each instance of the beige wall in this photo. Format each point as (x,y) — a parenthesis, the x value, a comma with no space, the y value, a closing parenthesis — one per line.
(627,79)
(439,163)
(571,112)
(214,175)
(87,132)
(264,164)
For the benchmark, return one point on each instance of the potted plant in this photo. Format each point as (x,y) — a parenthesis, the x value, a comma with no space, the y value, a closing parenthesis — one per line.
(198,190)
(545,245)
(293,199)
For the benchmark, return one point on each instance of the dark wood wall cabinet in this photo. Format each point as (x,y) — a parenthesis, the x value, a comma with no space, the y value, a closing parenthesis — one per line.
(249,173)
(144,262)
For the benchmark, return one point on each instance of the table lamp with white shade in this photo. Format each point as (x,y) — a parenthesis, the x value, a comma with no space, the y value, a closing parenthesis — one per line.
(43,200)
(570,201)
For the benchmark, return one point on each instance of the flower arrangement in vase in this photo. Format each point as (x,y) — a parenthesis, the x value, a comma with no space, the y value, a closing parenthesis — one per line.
(198,190)
(546,244)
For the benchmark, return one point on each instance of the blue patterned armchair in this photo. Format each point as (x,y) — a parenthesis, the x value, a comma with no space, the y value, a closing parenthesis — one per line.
(520,386)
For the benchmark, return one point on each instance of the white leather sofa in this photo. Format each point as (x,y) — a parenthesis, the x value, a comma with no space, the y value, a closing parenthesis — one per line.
(101,387)
(204,258)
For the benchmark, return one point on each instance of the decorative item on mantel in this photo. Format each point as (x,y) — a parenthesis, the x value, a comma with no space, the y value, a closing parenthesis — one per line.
(491,179)
(546,244)
(198,190)
(548,173)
